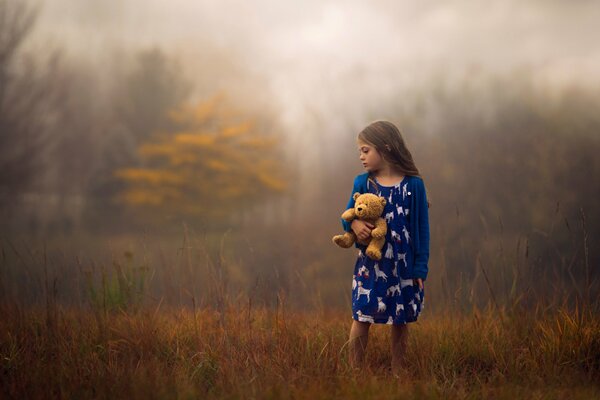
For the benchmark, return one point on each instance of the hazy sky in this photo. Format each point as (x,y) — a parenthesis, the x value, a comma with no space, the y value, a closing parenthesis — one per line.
(335,36)
(317,59)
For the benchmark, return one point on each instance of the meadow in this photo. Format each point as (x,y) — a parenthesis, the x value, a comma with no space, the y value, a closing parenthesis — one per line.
(197,322)
(242,351)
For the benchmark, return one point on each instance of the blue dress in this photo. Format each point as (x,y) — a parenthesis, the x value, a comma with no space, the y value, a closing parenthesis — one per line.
(382,291)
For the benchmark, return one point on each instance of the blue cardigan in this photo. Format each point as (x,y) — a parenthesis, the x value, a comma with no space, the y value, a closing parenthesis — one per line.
(418,220)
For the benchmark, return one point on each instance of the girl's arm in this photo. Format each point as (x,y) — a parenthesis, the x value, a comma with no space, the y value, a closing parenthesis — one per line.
(347,225)
(420,268)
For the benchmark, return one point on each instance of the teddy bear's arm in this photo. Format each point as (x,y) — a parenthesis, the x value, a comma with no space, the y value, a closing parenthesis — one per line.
(349,215)
(380,228)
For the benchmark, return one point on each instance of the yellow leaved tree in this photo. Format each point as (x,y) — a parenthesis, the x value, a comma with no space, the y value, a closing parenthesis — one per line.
(214,164)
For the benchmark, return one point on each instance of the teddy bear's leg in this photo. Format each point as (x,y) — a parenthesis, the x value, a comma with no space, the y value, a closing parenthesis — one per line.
(346,240)
(374,248)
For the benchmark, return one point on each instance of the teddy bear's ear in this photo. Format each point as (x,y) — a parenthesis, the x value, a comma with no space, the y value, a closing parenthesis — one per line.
(356,196)
(383,201)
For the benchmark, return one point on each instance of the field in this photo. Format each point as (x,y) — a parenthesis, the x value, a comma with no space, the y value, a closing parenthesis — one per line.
(245,352)
(84,327)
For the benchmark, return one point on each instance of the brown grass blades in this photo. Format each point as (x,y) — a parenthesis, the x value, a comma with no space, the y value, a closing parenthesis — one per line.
(159,354)
(503,325)
(588,282)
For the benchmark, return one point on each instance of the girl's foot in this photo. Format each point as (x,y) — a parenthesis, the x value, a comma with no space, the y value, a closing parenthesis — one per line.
(398,372)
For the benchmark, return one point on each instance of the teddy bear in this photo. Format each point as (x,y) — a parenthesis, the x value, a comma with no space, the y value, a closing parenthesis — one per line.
(368,207)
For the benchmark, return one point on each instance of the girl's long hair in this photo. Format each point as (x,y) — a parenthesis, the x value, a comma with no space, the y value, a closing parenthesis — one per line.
(388,141)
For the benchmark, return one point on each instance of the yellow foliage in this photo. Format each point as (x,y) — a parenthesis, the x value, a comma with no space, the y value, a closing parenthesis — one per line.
(217,165)
(205,110)
(209,165)
(259,142)
(198,114)
(149,176)
(272,182)
(195,139)
(237,130)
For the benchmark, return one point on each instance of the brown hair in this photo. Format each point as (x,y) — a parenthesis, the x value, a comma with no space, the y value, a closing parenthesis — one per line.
(388,141)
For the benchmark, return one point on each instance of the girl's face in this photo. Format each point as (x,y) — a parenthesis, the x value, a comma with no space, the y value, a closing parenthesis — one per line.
(370,158)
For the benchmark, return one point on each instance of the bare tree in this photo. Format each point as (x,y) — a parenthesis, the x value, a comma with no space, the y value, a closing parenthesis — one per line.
(27,98)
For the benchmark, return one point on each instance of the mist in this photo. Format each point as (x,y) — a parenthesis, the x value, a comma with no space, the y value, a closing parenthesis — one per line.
(323,57)
(483,93)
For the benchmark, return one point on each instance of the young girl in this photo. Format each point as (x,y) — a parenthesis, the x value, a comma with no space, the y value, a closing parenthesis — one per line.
(389,291)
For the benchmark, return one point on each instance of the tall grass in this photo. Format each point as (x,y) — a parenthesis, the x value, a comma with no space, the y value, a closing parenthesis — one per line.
(266,353)
(176,326)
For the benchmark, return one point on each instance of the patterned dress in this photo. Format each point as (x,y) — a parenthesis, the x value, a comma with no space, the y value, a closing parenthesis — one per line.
(382,291)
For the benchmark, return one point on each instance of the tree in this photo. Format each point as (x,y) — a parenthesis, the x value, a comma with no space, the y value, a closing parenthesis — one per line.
(152,88)
(30,89)
(140,103)
(213,166)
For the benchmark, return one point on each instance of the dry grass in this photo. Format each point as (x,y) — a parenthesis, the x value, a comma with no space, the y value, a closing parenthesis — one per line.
(129,327)
(261,353)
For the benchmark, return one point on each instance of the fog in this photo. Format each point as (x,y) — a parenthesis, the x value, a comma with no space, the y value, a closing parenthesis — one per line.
(317,59)
(329,56)
(497,102)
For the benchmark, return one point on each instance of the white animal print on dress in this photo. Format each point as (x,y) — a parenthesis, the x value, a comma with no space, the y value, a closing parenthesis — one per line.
(390,320)
(390,197)
(389,253)
(396,236)
(360,253)
(402,256)
(399,307)
(363,291)
(414,306)
(404,191)
(389,216)
(406,282)
(395,269)
(379,273)
(399,210)
(393,289)
(364,318)
(406,212)
(363,271)
(406,235)
(418,296)
(380,305)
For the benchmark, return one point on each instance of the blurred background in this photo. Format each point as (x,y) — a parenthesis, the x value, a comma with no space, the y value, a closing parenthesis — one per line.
(201,152)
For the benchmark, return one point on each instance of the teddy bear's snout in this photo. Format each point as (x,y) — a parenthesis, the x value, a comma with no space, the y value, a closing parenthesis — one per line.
(361,209)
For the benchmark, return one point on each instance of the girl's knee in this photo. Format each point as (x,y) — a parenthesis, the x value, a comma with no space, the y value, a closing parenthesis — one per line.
(363,326)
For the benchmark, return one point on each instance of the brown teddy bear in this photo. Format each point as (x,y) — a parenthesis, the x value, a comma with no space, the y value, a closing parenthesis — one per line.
(368,207)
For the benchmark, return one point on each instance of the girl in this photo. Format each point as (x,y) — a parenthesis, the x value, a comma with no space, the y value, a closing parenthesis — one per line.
(389,291)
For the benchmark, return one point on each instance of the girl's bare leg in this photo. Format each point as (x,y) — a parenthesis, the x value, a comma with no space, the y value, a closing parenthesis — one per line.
(399,342)
(359,335)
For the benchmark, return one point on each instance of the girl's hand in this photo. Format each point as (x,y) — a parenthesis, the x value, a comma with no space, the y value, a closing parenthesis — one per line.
(362,229)
(418,281)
